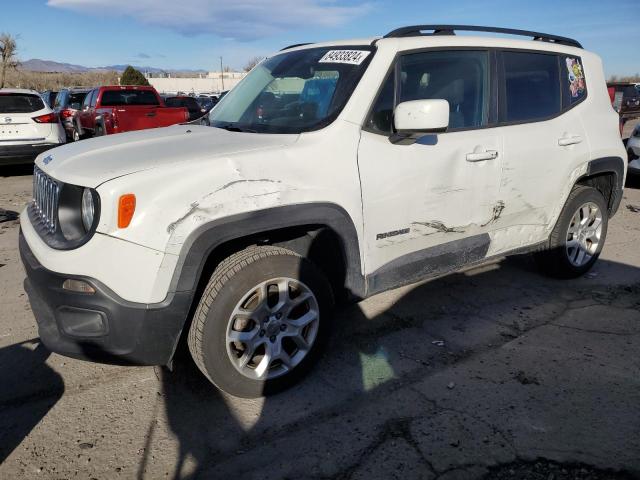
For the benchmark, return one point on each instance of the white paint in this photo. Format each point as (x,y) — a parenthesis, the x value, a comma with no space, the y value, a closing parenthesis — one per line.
(183,179)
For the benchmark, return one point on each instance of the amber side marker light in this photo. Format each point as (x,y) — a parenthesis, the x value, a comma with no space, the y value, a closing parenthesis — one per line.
(126,208)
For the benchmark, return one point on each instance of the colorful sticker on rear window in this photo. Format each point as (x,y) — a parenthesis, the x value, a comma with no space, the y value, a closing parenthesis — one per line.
(576,77)
(352,57)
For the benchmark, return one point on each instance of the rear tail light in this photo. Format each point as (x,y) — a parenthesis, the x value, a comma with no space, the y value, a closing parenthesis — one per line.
(46,118)
(186,115)
(67,113)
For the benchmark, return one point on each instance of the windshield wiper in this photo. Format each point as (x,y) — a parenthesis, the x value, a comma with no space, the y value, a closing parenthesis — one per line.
(233,128)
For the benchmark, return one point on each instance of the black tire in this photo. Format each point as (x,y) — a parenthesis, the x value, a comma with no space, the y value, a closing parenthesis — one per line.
(554,259)
(230,281)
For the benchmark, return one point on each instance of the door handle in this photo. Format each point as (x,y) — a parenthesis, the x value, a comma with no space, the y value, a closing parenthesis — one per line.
(567,140)
(482,156)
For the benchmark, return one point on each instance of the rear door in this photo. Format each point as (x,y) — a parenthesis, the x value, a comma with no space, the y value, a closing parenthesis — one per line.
(17,113)
(544,138)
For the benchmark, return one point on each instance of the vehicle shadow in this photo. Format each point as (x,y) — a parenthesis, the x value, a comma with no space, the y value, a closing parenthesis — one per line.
(22,366)
(376,347)
(20,170)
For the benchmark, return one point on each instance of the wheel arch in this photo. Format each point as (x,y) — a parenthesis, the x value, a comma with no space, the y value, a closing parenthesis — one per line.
(299,227)
(606,175)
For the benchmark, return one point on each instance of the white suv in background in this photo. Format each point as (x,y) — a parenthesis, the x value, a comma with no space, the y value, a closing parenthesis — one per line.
(333,171)
(28,126)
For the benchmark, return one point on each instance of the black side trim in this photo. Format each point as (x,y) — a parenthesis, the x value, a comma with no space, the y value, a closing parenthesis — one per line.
(200,243)
(609,165)
(431,262)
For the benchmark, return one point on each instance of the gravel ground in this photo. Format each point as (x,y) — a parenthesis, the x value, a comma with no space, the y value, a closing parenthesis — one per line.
(495,372)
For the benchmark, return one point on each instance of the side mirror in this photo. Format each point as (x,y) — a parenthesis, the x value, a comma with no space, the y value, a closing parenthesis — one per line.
(416,118)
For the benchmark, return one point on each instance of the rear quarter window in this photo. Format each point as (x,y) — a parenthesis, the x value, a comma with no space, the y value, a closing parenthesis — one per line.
(573,78)
(20,103)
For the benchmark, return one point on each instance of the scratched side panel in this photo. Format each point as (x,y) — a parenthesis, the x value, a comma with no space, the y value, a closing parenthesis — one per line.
(177,199)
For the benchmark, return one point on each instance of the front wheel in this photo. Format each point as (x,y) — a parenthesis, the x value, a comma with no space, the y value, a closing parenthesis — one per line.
(578,237)
(261,321)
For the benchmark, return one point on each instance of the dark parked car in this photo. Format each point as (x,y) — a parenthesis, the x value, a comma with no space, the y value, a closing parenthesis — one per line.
(49,96)
(195,110)
(625,98)
(68,102)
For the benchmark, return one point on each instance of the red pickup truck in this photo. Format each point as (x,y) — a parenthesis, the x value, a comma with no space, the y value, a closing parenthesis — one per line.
(108,110)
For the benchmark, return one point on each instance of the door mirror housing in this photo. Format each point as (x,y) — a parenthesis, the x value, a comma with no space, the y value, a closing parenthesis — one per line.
(416,118)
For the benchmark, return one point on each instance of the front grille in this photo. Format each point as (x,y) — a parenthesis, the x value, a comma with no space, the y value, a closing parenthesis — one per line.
(46,192)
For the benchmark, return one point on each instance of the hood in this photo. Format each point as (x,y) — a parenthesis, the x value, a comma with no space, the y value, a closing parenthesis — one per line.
(90,163)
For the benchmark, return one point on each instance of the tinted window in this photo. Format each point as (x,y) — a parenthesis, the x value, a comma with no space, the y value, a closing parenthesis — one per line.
(381,119)
(60,98)
(94,98)
(112,98)
(532,86)
(575,87)
(460,77)
(76,99)
(20,103)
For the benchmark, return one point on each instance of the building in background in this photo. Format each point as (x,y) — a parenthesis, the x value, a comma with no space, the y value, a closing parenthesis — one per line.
(212,82)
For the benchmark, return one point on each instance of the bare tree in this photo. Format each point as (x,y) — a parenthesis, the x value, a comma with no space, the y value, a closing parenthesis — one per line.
(252,62)
(8,50)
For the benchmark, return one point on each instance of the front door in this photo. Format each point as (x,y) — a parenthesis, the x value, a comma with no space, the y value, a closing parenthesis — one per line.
(428,206)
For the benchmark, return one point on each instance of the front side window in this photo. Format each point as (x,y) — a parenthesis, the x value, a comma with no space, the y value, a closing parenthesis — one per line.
(87,100)
(460,77)
(293,92)
(531,86)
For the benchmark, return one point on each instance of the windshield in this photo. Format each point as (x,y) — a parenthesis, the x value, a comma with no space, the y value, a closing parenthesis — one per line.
(293,92)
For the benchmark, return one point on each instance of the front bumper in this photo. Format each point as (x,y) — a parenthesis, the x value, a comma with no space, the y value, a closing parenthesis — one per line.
(14,154)
(101,327)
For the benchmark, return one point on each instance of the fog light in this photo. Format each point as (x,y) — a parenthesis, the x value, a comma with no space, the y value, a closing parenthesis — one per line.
(78,286)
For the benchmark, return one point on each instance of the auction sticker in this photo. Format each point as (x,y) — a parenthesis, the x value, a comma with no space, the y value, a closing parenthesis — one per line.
(352,57)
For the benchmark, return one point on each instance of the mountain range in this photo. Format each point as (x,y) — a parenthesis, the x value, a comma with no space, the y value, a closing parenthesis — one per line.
(38,65)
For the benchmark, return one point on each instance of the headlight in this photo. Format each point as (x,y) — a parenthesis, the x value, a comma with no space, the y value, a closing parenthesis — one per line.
(88,209)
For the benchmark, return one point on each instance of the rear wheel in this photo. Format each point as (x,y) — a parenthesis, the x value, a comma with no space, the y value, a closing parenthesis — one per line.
(75,135)
(261,321)
(578,237)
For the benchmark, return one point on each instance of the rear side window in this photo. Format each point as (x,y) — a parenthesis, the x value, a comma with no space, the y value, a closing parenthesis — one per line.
(114,98)
(20,103)
(531,86)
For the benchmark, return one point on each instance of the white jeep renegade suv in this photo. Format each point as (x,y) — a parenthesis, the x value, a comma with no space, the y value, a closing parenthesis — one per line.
(332,171)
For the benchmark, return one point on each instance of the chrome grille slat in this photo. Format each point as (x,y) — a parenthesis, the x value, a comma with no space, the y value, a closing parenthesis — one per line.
(46,193)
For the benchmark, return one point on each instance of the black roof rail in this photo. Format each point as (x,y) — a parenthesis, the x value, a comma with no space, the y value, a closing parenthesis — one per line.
(295,45)
(417,30)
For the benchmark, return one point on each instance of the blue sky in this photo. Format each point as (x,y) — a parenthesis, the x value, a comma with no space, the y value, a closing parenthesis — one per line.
(195,33)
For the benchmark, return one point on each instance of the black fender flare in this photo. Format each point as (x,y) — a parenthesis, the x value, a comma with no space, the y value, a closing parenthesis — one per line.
(613,165)
(205,239)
